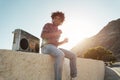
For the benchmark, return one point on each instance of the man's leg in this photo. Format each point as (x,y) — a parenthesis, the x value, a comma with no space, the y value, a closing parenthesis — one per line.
(72,57)
(59,57)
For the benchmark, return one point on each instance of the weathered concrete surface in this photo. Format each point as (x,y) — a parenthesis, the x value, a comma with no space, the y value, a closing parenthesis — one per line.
(31,66)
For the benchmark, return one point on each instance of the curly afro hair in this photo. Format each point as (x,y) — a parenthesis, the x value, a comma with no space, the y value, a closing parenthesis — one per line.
(60,14)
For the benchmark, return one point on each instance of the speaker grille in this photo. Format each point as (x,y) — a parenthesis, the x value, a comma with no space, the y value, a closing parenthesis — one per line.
(24,43)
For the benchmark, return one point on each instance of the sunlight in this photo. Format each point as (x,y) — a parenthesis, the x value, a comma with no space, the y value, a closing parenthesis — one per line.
(76,30)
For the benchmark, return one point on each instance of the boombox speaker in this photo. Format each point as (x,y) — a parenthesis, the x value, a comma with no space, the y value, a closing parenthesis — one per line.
(23,41)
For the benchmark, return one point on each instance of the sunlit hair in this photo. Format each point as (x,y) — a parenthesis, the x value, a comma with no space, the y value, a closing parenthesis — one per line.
(60,14)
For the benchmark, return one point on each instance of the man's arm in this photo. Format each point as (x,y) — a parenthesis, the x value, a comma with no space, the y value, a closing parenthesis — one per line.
(50,35)
(62,42)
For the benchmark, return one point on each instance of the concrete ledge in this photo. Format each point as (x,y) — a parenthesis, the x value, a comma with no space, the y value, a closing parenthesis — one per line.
(28,66)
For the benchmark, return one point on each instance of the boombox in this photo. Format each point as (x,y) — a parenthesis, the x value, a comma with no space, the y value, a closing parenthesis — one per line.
(24,41)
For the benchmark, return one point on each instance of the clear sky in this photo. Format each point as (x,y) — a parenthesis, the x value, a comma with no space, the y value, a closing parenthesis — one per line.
(84,18)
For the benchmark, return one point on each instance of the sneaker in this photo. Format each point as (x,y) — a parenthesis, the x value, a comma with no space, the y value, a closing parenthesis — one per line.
(75,78)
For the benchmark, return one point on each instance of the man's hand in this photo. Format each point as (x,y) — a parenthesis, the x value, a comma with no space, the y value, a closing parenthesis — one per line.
(62,42)
(65,40)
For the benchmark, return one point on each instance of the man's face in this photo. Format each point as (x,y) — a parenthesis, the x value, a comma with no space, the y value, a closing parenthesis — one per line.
(57,21)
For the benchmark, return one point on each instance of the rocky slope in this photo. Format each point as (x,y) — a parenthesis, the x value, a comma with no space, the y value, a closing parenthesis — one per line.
(108,37)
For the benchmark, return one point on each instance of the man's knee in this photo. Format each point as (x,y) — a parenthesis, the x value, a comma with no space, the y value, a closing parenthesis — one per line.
(61,55)
(73,56)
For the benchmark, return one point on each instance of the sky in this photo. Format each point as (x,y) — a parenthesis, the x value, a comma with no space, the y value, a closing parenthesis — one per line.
(83,18)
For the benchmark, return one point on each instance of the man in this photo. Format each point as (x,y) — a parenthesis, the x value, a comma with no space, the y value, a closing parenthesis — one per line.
(50,41)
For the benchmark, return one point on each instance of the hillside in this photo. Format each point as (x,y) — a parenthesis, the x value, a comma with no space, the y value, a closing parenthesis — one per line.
(108,37)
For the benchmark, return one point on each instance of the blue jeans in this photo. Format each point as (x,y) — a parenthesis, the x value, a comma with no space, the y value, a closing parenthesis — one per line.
(59,54)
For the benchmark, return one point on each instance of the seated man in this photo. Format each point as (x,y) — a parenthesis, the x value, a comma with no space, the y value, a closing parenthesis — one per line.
(50,41)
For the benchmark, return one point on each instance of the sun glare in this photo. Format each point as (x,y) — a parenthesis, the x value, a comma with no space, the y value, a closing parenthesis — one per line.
(74,36)
(76,31)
